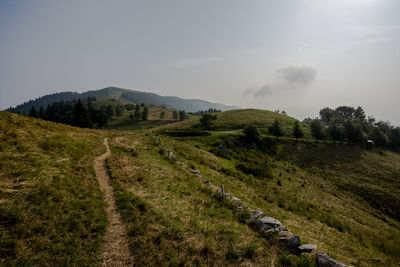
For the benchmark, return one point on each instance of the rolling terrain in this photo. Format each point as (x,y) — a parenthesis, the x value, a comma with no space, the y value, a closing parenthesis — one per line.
(125,95)
(340,197)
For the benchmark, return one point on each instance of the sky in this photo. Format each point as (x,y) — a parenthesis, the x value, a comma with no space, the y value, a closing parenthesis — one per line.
(297,56)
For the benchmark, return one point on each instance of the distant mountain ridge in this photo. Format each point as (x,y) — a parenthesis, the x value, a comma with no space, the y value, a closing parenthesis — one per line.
(188,105)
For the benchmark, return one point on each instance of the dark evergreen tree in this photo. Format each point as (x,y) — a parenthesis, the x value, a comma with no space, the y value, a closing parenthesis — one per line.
(251,134)
(119,110)
(41,113)
(162,115)
(137,112)
(317,130)
(353,131)
(33,113)
(275,129)
(175,115)
(297,131)
(131,116)
(145,113)
(336,131)
(207,121)
(182,115)
(81,116)
(110,110)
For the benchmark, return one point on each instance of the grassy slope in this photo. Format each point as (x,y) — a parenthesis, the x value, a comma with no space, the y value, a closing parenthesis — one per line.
(125,123)
(48,186)
(317,198)
(176,219)
(51,209)
(238,119)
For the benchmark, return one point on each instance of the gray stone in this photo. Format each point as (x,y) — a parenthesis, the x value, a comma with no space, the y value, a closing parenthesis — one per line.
(171,156)
(240,209)
(269,223)
(294,241)
(182,164)
(208,183)
(307,248)
(323,260)
(155,138)
(286,234)
(236,199)
(256,214)
(195,171)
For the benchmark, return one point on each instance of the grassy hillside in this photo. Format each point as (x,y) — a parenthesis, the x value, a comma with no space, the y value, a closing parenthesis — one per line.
(124,122)
(240,118)
(340,197)
(51,209)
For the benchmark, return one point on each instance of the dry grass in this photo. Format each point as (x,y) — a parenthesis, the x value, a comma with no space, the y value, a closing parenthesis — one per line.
(52,210)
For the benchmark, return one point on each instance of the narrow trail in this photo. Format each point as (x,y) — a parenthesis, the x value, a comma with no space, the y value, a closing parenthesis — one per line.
(115,250)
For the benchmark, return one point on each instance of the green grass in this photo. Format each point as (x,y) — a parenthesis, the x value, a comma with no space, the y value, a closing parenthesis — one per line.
(185,223)
(51,211)
(315,190)
(238,119)
(340,197)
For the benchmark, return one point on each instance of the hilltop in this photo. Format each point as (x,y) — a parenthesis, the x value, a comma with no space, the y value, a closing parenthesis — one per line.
(127,95)
(233,120)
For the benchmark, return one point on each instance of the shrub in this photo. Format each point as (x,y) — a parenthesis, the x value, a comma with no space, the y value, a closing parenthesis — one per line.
(303,261)
(285,260)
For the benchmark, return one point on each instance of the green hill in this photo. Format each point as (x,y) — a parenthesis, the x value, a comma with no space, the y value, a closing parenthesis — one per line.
(340,197)
(132,96)
(238,119)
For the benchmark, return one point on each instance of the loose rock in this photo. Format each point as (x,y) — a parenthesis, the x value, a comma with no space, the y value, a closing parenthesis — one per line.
(256,214)
(195,171)
(171,156)
(323,260)
(307,248)
(269,223)
(294,241)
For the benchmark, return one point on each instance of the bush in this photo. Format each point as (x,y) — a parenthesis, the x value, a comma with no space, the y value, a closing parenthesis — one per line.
(251,134)
(304,261)
(285,260)
(250,251)
(256,170)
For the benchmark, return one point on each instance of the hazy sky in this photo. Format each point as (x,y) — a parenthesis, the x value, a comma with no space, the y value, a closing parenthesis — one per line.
(297,56)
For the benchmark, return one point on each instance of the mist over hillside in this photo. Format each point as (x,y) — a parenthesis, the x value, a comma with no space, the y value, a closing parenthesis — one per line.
(188,105)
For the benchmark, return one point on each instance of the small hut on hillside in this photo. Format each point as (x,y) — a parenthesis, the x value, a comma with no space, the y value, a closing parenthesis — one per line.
(369,144)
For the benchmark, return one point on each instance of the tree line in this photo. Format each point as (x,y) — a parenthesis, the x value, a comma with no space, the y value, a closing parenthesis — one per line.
(350,124)
(341,124)
(84,114)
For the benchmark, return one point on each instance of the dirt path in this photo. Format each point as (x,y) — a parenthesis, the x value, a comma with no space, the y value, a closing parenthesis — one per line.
(115,250)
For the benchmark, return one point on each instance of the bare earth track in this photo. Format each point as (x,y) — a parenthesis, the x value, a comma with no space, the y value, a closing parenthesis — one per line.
(115,249)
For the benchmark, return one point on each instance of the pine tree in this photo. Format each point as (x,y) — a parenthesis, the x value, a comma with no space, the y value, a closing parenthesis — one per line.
(81,116)
(41,113)
(275,129)
(162,115)
(137,112)
(33,113)
(297,131)
(175,115)
(182,115)
(145,113)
